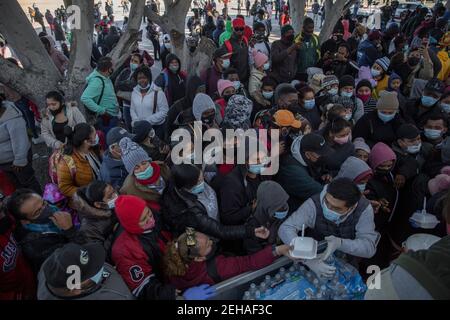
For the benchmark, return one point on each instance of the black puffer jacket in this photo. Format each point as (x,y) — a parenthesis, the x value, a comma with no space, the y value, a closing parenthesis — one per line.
(181,209)
(97,225)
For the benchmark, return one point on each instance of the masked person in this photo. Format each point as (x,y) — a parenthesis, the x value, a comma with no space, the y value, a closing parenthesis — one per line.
(166,48)
(370,49)
(98,279)
(146,179)
(284,55)
(356,170)
(232,75)
(364,93)
(104,107)
(145,136)
(362,150)
(204,110)
(226,90)
(381,124)
(259,70)
(417,110)
(57,116)
(309,50)
(340,215)
(112,169)
(41,227)
(271,210)
(95,209)
(379,73)
(330,46)
(138,250)
(329,89)
(259,41)
(300,172)
(289,129)
(190,259)
(338,136)
(266,91)
(435,129)
(354,106)
(211,76)
(308,108)
(171,80)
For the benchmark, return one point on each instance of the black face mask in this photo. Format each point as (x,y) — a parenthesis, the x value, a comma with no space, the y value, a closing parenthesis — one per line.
(227,97)
(413,61)
(382,172)
(289,38)
(209,119)
(44,217)
(57,111)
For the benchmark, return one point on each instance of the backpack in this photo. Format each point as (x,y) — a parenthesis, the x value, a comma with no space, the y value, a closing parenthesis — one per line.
(53,161)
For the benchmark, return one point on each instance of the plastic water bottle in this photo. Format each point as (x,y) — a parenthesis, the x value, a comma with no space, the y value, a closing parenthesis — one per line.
(316,283)
(319,296)
(252,289)
(247,296)
(263,288)
(288,276)
(268,280)
(257,295)
(292,269)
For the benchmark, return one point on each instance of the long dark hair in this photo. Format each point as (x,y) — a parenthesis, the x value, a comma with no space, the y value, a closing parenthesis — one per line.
(185,175)
(76,137)
(335,126)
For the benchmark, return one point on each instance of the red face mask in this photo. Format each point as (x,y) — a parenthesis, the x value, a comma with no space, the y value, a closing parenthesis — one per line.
(364,97)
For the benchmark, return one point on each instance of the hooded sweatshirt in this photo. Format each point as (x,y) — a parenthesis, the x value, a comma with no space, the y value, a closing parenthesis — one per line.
(142,107)
(173,84)
(354,169)
(14,143)
(270,198)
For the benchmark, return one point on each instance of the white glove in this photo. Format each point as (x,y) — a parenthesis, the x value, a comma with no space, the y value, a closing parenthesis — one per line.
(334,243)
(320,268)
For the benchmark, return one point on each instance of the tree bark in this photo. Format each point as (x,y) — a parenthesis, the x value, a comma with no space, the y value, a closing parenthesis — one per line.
(297,14)
(333,12)
(173,23)
(129,39)
(80,51)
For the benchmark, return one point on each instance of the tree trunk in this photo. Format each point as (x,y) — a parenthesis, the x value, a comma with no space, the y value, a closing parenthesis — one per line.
(201,58)
(129,39)
(39,73)
(80,51)
(297,14)
(173,23)
(333,12)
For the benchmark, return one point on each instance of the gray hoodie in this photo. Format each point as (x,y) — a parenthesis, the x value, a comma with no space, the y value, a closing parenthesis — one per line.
(364,244)
(352,168)
(14,141)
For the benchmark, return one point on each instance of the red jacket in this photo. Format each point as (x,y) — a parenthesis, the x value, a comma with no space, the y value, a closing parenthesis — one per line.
(17,281)
(133,264)
(223,104)
(227,267)
(6,186)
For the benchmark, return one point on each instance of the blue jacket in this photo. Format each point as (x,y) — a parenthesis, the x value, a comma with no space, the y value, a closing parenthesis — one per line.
(367,54)
(112,171)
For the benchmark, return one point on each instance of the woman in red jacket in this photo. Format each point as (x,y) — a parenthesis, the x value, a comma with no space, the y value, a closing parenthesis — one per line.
(191,260)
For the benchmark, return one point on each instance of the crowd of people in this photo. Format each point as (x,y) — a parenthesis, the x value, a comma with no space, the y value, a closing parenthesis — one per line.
(363,139)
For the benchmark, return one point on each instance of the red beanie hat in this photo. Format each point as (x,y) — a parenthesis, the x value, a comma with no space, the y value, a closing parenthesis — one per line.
(238,23)
(129,210)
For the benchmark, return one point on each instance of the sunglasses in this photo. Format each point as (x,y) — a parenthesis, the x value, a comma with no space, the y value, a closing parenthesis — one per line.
(238,29)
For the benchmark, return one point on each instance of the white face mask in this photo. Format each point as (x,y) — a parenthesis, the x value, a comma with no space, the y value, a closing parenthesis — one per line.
(112,202)
(168,45)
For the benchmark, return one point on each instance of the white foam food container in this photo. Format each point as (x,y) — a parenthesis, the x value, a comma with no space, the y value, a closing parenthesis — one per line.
(303,248)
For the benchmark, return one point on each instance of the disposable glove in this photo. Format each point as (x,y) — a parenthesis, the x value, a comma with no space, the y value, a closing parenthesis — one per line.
(334,243)
(201,292)
(320,268)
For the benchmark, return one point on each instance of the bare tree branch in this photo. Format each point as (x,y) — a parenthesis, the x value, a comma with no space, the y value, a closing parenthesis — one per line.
(332,14)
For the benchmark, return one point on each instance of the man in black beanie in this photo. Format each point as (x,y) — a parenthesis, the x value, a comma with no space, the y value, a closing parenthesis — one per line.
(145,136)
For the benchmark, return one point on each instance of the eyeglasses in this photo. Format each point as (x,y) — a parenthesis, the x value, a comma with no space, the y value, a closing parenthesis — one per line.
(238,29)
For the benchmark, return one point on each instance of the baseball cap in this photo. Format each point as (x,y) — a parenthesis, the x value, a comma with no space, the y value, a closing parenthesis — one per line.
(285,118)
(89,258)
(116,134)
(221,52)
(315,143)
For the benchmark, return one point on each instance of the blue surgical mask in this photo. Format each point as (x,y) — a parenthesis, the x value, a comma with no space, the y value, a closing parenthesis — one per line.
(348,116)
(445,107)
(237,85)
(385,117)
(428,101)
(375,72)
(267,94)
(333,91)
(346,94)
(225,63)
(256,168)
(309,104)
(414,149)
(146,174)
(362,187)
(267,66)
(330,214)
(174,68)
(97,278)
(280,215)
(199,188)
(432,134)
(133,66)
(96,140)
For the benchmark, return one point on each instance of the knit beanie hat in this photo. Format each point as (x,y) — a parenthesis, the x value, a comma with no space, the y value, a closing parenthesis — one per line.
(329,80)
(223,84)
(380,153)
(129,211)
(388,101)
(238,23)
(364,83)
(407,131)
(361,144)
(202,103)
(439,183)
(346,80)
(286,28)
(383,63)
(132,154)
(259,58)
